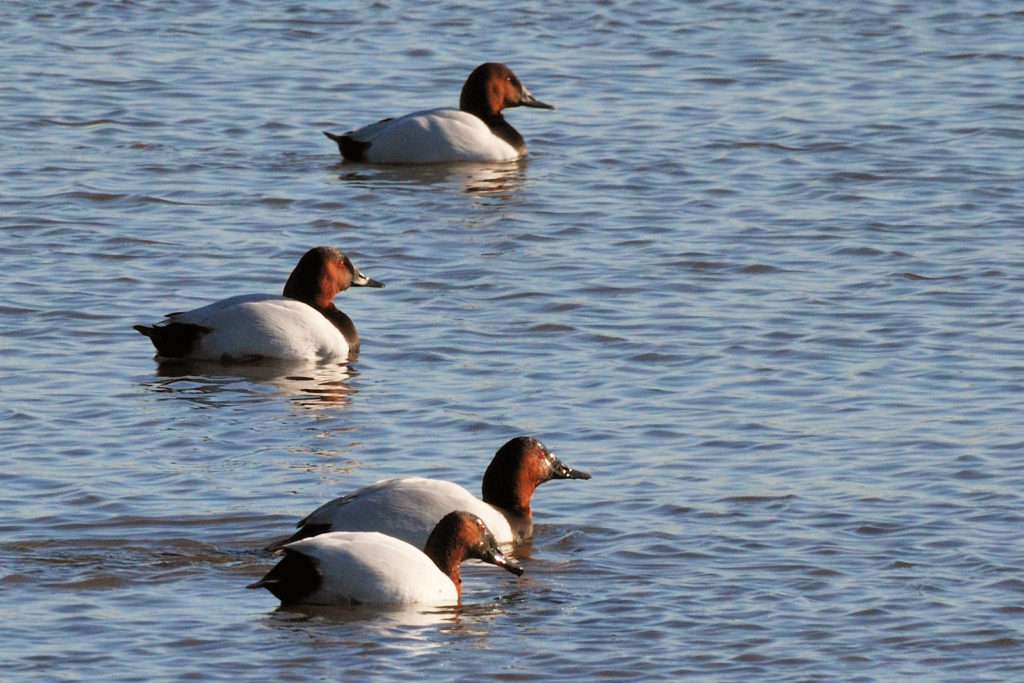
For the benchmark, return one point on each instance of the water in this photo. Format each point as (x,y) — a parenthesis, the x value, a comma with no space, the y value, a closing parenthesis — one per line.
(760,275)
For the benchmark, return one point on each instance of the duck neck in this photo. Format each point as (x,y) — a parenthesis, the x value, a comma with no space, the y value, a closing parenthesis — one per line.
(344,325)
(514,499)
(319,298)
(317,291)
(504,130)
(500,127)
(447,558)
(520,524)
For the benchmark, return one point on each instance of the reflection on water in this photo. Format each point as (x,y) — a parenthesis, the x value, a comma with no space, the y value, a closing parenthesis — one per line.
(762,273)
(501,179)
(310,385)
(373,617)
(467,618)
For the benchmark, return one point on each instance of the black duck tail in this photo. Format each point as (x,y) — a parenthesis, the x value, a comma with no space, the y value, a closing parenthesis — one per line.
(174,340)
(351,150)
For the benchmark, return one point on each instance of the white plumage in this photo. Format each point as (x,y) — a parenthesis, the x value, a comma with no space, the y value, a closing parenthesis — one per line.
(476,131)
(406,508)
(432,136)
(302,324)
(372,568)
(264,326)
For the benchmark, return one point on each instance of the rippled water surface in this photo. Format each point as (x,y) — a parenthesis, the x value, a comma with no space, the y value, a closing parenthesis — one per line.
(761,274)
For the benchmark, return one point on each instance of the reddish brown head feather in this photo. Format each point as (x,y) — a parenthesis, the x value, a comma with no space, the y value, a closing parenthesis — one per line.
(460,536)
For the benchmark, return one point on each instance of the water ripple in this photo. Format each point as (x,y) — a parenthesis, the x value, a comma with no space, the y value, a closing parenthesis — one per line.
(758,274)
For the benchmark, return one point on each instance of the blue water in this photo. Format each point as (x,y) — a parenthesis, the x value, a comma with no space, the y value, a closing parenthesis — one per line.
(760,274)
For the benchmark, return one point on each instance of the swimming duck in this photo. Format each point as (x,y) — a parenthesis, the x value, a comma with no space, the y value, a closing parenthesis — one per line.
(363,568)
(476,131)
(406,507)
(303,324)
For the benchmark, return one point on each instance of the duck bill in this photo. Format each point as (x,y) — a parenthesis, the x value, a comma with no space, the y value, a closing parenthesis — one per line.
(559,470)
(528,100)
(360,280)
(508,565)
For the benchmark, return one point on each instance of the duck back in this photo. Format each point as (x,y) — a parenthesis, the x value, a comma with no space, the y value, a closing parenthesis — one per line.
(406,508)
(263,326)
(429,136)
(345,568)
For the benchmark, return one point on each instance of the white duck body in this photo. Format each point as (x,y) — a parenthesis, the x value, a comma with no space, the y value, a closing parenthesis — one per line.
(476,131)
(302,324)
(264,326)
(371,568)
(406,508)
(433,136)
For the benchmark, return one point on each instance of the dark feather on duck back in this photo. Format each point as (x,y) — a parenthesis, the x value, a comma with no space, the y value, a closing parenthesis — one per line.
(351,150)
(174,340)
(293,579)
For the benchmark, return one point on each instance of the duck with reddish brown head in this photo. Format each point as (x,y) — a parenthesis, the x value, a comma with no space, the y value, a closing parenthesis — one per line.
(407,507)
(518,468)
(301,325)
(476,131)
(370,568)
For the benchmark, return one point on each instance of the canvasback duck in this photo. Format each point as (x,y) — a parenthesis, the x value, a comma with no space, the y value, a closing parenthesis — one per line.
(303,324)
(476,131)
(370,568)
(406,507)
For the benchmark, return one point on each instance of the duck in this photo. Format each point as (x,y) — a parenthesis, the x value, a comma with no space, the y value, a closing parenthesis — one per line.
(371,568)
(406,507)
(301,325)
(476,131)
